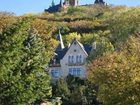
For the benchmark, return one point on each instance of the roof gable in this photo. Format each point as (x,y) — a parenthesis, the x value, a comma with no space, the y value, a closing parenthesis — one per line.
(77,43)
(60,54)
(60,47)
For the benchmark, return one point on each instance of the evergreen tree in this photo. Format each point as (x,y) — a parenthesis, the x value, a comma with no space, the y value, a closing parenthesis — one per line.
(23,59)
(75,91)
(53,4)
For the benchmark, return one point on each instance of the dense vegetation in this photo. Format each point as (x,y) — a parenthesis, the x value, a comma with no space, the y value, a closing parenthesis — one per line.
(27,43)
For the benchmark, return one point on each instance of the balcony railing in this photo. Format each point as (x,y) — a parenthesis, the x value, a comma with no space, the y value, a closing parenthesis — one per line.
(55,65)
(77,63)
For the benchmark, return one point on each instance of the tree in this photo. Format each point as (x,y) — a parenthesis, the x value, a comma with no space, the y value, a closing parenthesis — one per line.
(101,46)
(6,20)
(68,38)
(53,4)
(61,90)
(75,91)
(123,25)
(23,59)
(88,38)
(45,31)
(117,75)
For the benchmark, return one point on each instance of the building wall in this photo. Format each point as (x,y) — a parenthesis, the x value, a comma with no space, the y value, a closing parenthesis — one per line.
(74,50)
(50,73)
(73,2)
(65,65)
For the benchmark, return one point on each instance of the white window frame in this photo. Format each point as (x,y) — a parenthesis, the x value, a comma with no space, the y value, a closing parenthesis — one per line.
(55,73)
(75,71)
(71,59)
(79,59)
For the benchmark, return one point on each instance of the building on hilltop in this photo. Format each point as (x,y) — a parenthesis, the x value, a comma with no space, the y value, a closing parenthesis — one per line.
(61,5)
(69,60)
(101,2)
(68,3)
(73,2)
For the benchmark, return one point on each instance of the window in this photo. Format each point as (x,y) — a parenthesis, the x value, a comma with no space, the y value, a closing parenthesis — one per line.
(55,73)
(79,58)
(75,71)
(70,71)
(74,43)
(78,72)
(75,50)
(71,59)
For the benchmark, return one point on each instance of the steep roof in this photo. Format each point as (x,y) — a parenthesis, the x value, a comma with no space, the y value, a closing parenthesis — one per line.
(99,2)
(54,8)
(61,44)
(80,44)
(87,48)
(59,54)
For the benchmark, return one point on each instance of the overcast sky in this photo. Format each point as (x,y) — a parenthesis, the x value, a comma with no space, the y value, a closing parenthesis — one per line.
(20,7)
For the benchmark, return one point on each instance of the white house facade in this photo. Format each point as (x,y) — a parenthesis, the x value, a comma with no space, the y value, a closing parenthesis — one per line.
(70,60)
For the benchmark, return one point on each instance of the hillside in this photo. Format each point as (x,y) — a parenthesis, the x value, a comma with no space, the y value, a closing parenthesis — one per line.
(27,43)
(114,25)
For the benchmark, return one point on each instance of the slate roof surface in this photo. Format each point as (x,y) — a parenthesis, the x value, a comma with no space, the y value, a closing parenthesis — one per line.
(61,53)
(87,48)
(53,9)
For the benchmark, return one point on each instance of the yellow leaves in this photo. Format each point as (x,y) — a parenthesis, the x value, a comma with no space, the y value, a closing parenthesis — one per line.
(84,24)
(31,14)
(118,75)
(6,20)
(43,27)
(68,38)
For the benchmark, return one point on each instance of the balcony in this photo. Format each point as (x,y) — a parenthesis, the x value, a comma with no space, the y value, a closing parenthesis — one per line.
(55,65)
(77,63)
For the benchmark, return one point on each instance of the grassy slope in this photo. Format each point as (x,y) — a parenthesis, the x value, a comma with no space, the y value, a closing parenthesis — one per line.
(116,23)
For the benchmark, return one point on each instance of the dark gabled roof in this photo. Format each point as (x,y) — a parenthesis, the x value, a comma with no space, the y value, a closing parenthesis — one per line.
(80,44)
(61,44)
(53,9)
(61,50)
(87,48)
(58,56)
(99,2)
(61,54)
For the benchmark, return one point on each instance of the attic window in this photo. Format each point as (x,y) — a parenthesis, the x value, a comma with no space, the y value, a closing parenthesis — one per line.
(74,50)
(74,43)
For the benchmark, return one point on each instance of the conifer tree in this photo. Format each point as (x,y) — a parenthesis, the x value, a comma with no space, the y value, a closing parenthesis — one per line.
(23,59)
(53,3)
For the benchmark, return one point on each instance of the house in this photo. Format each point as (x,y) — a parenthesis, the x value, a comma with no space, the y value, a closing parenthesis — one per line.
(61,5)
(69,60)
(68,3)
